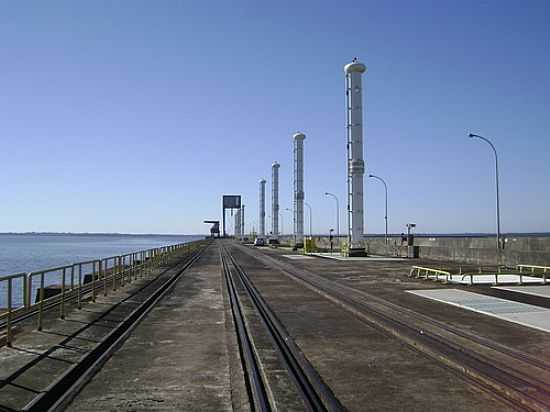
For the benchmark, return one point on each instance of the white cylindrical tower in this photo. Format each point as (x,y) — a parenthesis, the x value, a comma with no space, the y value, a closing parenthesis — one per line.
(299,189)
(238,224)
(356,166)
(242,223)
(261,233)
(275,201)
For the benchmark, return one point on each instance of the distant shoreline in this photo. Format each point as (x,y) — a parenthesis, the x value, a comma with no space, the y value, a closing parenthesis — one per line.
(93,234)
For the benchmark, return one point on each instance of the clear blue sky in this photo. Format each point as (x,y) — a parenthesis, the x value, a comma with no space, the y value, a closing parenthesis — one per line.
(135,116)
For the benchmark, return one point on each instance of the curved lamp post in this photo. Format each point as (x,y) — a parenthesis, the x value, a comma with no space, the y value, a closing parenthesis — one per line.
(337,213)
(386,209)
(471,135)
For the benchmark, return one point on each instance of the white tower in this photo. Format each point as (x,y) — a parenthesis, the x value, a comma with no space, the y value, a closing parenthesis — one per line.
(242,222)
(238,224)
(275,201)
(299,189)
(356,165)
(261,233)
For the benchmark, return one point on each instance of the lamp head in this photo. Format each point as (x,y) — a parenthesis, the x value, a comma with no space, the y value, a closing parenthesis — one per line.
(472,135)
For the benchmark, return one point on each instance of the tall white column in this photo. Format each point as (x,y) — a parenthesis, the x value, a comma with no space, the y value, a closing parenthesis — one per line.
(299,188)
(242,223)
(275,201)
(238,224)
(356,165)
(261,233)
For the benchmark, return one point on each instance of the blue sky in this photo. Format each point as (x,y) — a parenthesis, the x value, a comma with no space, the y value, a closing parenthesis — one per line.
(136,116)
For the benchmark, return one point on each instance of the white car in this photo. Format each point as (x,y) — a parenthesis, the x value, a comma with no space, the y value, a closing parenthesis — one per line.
(259,241)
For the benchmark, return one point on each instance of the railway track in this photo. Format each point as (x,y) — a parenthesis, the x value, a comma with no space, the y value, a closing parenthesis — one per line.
(517,379)
(59,393)
(314,393)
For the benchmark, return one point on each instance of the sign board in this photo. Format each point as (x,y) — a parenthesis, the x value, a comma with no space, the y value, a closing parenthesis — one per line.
(231,201)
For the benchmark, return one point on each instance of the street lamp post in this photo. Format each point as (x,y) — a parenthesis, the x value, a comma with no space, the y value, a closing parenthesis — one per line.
(289,210)
(282,224)
(310,218)
(386,209)
(471,135)
(337,213)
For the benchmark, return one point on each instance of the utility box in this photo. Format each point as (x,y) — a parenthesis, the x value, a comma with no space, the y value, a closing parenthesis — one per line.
(413,252)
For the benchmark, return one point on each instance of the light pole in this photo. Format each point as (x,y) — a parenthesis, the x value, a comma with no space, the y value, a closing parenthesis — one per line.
(310,218)
(337,213)
(282,224)
(289,210)
(471,135)
(386,209)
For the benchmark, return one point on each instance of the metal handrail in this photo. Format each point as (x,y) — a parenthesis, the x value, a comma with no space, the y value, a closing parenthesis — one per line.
(427,271)
(124,268)
(9,308)
(533,268)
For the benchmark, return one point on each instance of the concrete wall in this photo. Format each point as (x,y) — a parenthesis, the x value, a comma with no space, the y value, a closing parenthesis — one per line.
(534,250)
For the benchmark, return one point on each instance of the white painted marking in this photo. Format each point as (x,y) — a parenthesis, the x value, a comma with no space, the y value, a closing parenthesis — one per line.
(297,257)
(337,256)
(501,278)
(531,316)
(542,291)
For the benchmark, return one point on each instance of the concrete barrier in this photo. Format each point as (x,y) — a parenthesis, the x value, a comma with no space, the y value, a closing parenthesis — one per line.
(518,249)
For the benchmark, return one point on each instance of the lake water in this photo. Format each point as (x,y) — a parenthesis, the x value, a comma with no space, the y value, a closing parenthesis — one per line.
(30,252)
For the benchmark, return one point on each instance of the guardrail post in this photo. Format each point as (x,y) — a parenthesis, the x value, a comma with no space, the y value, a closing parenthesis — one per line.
(78,295)
(63,278)
(41,303)
(121,271)
(93,280)
(113,273)
(26,291)
(8,321)
(103,269)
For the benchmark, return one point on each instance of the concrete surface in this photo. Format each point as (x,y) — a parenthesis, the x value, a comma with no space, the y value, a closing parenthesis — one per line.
(542,291)
(184,354)
(177,359)
(527,315)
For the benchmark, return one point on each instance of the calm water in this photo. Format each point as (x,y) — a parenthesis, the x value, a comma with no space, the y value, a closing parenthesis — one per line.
(29,252)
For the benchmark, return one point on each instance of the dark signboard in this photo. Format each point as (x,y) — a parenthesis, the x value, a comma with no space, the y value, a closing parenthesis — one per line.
(231,201)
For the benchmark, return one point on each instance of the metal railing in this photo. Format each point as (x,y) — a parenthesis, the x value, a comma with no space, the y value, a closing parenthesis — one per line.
(496,271)
(535,270)
(56,286)
(426,272)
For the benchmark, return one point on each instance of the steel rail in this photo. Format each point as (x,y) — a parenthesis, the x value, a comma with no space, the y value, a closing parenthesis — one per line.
(255,384)
(316,395)
(506,382)
(60,393)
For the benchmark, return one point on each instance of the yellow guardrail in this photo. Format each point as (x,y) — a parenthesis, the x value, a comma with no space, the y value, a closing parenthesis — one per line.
(76,280)
(424,272)
(535,270)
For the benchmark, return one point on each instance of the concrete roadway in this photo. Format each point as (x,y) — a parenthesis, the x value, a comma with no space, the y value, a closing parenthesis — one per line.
(184,356)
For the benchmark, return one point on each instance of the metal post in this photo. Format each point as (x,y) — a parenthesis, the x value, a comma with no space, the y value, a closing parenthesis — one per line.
(62,311)
(8,320)
(337,213)
(471,135)
(386,208)
(93,281)
(78,298)
(41,303)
